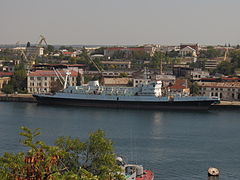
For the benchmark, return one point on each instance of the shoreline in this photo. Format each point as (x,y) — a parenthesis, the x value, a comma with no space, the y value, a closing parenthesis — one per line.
(17,98)
(30,99)
(228,105)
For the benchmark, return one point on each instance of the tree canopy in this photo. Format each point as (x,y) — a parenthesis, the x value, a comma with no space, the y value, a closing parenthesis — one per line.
(210,53)
(235,55)
(69,158)
(18,82)
(225,68)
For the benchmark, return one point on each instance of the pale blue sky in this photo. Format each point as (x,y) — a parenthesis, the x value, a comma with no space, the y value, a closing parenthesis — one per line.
(120,21)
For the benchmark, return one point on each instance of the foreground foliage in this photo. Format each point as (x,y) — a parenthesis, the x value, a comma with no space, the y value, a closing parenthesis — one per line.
(70,158)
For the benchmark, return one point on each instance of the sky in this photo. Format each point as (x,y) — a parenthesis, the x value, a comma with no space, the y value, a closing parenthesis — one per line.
(120,22)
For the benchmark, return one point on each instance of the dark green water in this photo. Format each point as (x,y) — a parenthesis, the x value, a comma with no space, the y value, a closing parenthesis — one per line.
(175,145)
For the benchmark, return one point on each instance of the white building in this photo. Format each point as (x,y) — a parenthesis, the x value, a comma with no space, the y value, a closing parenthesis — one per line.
(226,91)
(188,51)
(198,74)
(40,81)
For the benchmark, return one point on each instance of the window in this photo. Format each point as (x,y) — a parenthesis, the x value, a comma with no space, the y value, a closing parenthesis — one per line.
(31,78)
(39,78)
(45,84)
(45,78)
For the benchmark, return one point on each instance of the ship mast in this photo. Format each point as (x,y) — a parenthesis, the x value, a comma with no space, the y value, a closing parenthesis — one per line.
(161,66)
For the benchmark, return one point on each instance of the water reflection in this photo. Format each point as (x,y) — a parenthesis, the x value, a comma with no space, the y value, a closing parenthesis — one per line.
(156,125)
(213,177)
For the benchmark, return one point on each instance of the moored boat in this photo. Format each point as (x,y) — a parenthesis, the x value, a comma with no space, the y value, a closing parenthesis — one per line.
(134,171)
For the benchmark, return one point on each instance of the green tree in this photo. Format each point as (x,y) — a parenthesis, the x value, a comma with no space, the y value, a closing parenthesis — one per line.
(19,80)
(8,89)
(194,88)
(225,68)
(49,49)
(210,53)
(157,59)
(70,158)
(235,58)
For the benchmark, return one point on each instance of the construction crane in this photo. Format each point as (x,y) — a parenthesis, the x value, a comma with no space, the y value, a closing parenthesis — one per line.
(99,68)
(33,52)
(42,39)
(38,46)
(22,53)
(88,57)
(63,80)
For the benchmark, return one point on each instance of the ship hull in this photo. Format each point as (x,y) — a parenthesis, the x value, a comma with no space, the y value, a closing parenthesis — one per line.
(176,105)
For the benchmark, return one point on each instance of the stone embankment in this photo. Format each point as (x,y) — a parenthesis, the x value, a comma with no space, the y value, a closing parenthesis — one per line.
(226,105)
(17,98)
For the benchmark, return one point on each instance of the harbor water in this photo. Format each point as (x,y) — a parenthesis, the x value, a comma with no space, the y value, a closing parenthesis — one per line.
(175,145)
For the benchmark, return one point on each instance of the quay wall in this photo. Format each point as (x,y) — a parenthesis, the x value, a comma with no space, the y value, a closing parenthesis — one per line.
(17,98)
(226,105)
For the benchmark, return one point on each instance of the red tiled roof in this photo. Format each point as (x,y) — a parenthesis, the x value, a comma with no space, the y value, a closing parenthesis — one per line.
(67,53)
(2,74)
(211,79)
(49,73)
(179,84)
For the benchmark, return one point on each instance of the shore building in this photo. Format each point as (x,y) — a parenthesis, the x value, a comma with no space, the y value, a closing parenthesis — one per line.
(40,81)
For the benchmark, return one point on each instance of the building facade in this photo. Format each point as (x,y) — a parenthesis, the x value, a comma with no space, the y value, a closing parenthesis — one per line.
(226,91)
(198,74)
(188,51)
(116,64)
(34,51)
(40,81)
